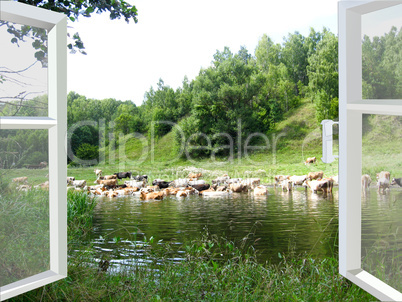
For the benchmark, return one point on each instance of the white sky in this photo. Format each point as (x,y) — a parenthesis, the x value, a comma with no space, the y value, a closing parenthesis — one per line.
(176,38)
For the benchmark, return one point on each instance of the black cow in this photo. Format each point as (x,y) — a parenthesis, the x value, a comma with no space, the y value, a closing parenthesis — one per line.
(161,184)
(397,181)
(121,175)
(141,178)
(200,188)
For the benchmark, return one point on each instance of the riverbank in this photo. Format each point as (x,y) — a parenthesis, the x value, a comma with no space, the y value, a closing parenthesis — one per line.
(211,269)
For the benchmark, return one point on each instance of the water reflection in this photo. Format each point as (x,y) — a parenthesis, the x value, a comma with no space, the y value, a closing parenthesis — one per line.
(294,222)
(381,236)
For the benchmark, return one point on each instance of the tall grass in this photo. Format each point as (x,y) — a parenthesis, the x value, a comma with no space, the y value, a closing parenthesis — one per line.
(212,269)
(80,208)
(24,234)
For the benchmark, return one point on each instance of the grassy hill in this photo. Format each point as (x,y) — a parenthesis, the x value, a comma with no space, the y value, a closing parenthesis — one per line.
(286,148)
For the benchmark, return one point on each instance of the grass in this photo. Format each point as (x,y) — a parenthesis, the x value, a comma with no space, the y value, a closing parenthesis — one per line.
(24,234)
(24,230)
(212,269)
(80,208)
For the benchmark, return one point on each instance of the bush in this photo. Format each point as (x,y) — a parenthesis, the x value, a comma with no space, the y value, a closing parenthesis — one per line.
(87,152)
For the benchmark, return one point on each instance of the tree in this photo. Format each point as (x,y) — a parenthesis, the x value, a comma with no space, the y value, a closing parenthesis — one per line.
(382,65)
(267,53)
(73,10)
(295,58)
(323,77)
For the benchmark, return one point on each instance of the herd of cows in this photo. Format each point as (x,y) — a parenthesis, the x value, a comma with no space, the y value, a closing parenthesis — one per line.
(108,185)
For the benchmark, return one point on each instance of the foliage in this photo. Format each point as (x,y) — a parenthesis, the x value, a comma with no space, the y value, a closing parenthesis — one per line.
(80,210)
(87,151)
(323,77)
(382,65)
(73,10)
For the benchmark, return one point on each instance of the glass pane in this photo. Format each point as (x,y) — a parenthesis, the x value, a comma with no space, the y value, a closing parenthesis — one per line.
(381,55)
(381,200)
(23,70)
(24,204)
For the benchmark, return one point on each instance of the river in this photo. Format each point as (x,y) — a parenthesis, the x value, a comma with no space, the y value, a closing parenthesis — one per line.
(281,223)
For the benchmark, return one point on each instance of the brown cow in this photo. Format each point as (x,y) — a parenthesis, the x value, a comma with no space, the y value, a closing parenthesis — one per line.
(107,182)
(279,178)
(195,175)
(238,187)
(151,195)
(310,160)
(260,190)
(366,181)
(384,174)
(315,175)
(20,179)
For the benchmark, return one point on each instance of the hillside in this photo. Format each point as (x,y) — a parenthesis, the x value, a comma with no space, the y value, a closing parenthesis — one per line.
(294,139)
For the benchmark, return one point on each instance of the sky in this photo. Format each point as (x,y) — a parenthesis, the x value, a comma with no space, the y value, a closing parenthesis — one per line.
(177,38)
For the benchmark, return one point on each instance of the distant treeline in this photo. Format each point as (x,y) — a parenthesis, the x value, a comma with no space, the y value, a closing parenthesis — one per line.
(239,93)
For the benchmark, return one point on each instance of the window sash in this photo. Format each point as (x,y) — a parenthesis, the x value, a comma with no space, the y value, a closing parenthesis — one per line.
(351,109)
(56,123)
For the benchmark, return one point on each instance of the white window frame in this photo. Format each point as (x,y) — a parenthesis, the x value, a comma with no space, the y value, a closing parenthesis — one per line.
(56,124)
(351,108)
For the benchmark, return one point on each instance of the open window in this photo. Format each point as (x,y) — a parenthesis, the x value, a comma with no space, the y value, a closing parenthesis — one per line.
(360,21)
(33,122)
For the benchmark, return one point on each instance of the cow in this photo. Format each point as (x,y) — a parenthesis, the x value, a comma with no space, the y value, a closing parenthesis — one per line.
(134,184)
(336,181)
(24,188)
(106,177)
(121,175)
(78,183)
(397,181)
(260,190)
(297,180)
(200,188)
(384,174)
(196,182)
(143,178)
(251,183)
(286,185)
(315,175)
(279,178)
(383,183)
(111,183)
(195,175)
(44,185)
(170,191)
(181,194)
(98,173)
(238,187)
(366,181)
(221,179)
(43,164)
(234,180)
(181,182)
(161,184)
(310,160)
(324,185)
(151,195)
(221,188)
(23,179)
(70,179)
